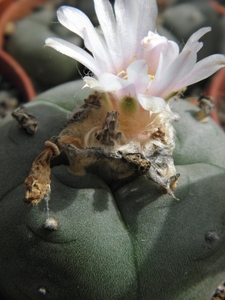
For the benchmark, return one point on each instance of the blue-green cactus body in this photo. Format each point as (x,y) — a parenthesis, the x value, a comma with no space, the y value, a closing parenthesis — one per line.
(133,243)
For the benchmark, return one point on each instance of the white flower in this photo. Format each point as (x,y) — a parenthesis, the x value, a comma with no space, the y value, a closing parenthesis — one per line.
(136,71)
(128,57)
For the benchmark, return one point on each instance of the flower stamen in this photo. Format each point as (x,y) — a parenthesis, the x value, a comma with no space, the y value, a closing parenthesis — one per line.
(123,75)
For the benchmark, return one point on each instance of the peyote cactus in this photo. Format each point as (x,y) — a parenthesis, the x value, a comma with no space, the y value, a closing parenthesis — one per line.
(112,227)
(127,242)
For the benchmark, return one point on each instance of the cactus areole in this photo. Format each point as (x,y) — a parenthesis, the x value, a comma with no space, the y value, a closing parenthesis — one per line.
(106,216)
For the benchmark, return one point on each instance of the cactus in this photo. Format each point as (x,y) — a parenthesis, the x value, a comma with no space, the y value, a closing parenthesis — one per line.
(103,230)
(103,241)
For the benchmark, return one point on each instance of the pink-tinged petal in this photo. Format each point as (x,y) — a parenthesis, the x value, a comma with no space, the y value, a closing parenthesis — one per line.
(152,58)
(167,55)
(170,53)
(153,104)
(160,69)
(148,12)
(126,12)
(74,52)
(196,36)
(203,69)
(153,40)
(106,17)
(167,52)
(138,74)
(180,67)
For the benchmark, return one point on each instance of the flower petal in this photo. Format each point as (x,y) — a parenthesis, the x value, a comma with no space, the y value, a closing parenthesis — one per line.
(168,51)
(138,74)
(93,83)
(196,46)
(107,21)
(193,43)
(125,11)
(110,83)
(196,36)
(203,69)
(74,52)
(153,104)
(152,66)
(148,12)
(76,21)
(153,40)
(102,59)
(181,66)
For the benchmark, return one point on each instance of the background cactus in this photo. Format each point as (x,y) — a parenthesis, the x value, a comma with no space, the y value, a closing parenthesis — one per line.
(135,243)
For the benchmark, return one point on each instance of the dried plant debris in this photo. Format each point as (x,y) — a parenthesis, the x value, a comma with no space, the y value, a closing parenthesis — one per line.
(25,120)
(219,293)
(93,137)
(206,105)
(38,182)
